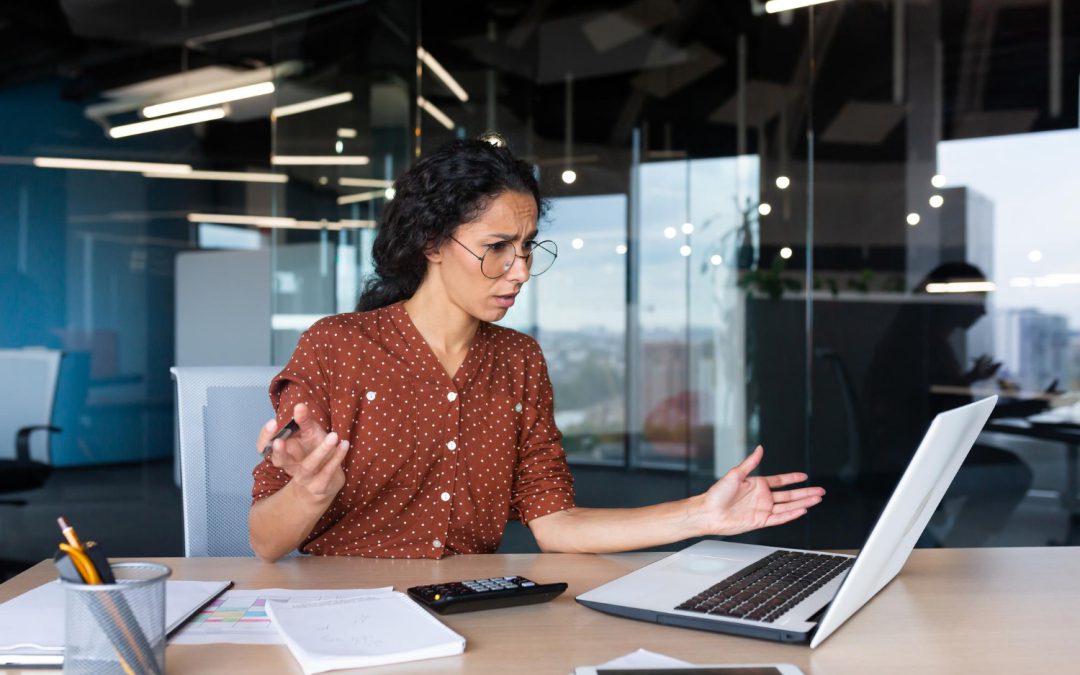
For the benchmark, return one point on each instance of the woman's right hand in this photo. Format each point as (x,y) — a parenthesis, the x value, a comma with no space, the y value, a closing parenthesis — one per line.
(311,457)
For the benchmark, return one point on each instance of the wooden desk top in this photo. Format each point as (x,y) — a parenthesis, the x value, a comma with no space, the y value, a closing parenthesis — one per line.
(950,611)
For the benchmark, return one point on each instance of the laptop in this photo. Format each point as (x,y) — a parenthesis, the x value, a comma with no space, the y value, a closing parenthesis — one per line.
(792,595)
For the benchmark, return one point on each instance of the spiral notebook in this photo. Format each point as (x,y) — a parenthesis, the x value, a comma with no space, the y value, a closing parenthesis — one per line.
(32,624)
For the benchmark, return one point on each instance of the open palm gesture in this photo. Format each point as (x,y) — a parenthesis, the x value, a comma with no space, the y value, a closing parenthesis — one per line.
(739,502)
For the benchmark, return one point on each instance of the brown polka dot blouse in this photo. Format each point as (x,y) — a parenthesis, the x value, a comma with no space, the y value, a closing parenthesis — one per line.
(436,465)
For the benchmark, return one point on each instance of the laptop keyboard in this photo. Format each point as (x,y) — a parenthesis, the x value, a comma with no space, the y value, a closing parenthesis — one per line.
(768,588)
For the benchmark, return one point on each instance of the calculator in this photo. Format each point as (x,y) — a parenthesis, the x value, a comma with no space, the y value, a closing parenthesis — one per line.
(468,596)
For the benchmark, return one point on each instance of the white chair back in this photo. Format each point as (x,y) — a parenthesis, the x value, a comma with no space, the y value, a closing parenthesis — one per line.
(31,376)
(219,413)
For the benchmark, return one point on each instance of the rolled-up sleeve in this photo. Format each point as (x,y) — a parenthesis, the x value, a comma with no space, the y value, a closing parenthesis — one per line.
(542,480)
(303,380)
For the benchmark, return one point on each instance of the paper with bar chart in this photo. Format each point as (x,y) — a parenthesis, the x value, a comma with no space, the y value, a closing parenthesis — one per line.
(239,616)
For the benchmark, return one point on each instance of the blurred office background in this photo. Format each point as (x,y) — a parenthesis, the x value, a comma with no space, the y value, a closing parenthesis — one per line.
(747,206)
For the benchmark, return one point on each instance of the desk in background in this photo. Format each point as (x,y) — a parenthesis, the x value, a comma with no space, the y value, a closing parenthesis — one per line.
(950,611)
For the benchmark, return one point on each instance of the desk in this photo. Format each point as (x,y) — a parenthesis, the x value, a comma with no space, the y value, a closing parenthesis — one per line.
(1066,434)
(945,613)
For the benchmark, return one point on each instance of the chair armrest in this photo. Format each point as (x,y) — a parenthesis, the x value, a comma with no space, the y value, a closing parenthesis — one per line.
(22,439)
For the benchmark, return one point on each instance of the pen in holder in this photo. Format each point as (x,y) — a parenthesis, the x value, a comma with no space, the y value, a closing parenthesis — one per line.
(114,627)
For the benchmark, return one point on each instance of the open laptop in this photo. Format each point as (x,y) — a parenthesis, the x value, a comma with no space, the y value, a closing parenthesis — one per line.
(787,594)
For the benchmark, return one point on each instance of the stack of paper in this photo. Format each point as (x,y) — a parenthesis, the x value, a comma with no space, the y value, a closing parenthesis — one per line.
(32,624)
(367,630)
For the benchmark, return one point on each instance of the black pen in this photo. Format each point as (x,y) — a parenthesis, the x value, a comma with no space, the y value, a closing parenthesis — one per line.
(288,430)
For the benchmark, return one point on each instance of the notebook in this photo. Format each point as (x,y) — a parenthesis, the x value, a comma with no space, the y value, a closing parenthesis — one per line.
(32,624)
(368,630)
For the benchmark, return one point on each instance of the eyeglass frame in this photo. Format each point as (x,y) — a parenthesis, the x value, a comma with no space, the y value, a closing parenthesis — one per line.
(554,256)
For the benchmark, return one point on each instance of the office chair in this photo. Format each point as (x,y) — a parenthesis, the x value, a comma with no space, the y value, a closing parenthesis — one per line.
(219,413)
(26,409)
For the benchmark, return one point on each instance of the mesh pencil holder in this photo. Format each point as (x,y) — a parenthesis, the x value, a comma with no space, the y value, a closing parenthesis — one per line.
(117,628)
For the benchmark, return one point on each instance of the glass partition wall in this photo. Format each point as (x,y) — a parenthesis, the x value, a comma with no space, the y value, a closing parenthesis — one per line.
(812,229)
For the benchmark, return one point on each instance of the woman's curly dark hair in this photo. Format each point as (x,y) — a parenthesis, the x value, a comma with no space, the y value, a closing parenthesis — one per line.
(448,188)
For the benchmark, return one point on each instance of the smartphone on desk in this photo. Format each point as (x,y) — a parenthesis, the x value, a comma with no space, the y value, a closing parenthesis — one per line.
(720,669)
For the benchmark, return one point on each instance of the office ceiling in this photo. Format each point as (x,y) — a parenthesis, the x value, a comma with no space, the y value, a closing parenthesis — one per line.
(671,63)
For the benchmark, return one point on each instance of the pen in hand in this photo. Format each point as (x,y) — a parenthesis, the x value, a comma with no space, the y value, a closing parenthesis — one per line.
(285,432)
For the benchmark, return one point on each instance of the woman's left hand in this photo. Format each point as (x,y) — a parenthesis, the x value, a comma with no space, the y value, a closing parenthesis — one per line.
(739,502)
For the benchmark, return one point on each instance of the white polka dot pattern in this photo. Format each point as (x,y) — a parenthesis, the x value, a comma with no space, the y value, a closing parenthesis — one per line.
(437,464)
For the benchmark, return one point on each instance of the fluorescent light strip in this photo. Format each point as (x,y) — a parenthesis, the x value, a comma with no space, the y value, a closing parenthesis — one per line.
(361,197)
(346,132)
(277,222)
(319,160)
(125,130)
(961,287)
(313,104)
(365,182)
(229,219)
(439,115)
(441,73)
(212,98)
(241,176)
(109,165)
(774,6)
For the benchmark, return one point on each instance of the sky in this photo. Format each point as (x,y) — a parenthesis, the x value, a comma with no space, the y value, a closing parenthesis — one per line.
(1032,180)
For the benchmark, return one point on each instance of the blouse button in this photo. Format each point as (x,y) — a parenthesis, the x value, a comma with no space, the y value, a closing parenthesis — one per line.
(451,445)
(452,396)
(517,408)
(445,496)
(371,396)
(437,543)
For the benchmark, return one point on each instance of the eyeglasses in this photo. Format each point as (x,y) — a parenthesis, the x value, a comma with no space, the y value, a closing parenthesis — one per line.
(499,257)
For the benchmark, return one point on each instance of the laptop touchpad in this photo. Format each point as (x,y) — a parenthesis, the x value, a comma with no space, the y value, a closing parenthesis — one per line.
(705,565)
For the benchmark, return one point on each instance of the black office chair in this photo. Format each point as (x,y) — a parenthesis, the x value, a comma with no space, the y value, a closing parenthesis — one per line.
(23,473)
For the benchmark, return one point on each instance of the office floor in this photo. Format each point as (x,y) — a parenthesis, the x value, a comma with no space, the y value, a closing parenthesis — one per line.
(134,510)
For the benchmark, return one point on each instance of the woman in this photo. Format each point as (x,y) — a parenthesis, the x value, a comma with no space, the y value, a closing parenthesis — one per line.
(423,427)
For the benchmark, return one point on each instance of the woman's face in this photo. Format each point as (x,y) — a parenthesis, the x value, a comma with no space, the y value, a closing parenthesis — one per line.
(509,220)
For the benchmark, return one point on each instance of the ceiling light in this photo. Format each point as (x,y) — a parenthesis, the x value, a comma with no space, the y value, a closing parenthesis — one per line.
(439,115)
(1035,256)
(783,182)
(578,243)
(961,287)
(716,259)
(670,232)
(125,130)
(684,250)
(764,208)
(241,176)
(440,72)
(936,201)
(390,193)
(319,160)
(365,182)
(569,176)
(785,252)
(345,132)
(230,219)
(109,165)
(774,6)
(621,249)
(277,222)
(687,228)
(360,197)
(913,219)
(205,100)
(339,147)
(313,104)
(938,181)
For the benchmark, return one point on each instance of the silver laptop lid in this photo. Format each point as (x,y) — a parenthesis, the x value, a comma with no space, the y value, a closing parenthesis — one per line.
(920,490)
